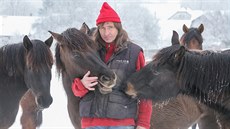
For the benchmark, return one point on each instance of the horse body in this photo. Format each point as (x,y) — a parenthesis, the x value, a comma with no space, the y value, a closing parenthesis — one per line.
(183,111)
(202,75)
(24,66)
(76,54)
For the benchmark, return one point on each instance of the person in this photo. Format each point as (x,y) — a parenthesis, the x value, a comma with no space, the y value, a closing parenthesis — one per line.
(114,110)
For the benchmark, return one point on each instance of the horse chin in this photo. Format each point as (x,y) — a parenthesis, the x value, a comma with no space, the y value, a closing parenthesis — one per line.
(104,90)
(41,104)
(39,107)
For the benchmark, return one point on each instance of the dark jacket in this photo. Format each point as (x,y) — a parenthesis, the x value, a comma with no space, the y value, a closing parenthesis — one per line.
(115,104)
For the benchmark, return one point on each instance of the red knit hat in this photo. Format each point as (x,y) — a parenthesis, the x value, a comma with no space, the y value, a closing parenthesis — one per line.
(107,14)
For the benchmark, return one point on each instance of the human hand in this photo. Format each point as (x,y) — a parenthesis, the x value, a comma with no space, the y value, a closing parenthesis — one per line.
(140,127)
(89,82)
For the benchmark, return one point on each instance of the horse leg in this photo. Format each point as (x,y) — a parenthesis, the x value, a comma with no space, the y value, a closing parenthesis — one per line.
(8,110)
(194,126)
(7,118)
(223,121)
(31,116)
(208,120)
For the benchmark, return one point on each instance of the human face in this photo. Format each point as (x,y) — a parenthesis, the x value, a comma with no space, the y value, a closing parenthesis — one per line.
(108,32)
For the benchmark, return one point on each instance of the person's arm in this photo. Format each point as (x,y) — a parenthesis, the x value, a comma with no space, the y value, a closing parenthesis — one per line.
(78,88)
(82,86)
(145,106)
(144,114)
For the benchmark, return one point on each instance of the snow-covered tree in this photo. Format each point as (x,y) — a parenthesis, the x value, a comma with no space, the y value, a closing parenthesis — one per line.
(140,24)
(216,28)
(18,8)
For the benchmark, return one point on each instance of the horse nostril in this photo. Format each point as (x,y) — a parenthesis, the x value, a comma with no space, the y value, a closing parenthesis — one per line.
(105,78)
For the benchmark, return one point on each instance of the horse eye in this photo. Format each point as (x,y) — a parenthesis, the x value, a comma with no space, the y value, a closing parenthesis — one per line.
(75,54)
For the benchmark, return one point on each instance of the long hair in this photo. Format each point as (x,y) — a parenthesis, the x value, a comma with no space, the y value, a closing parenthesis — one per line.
(120,40)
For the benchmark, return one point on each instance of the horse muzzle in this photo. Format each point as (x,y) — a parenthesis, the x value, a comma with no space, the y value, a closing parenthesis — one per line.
(106,84)
(43,102)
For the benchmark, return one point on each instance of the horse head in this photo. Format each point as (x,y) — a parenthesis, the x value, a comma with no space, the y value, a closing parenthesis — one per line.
(192,37)
(157,80)
(76,53)
(37,69)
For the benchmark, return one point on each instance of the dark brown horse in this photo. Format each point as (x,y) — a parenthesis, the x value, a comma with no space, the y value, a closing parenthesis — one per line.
(24,66)
(184,114)
(185,109)
(76,53)
(203,75)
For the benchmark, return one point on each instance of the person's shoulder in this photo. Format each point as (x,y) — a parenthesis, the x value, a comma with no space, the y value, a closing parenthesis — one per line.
(134,46)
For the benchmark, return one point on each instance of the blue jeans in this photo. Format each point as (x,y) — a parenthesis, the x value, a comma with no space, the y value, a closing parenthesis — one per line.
(111,127)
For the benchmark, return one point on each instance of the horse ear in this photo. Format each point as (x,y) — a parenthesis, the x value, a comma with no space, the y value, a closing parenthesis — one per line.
(49,41)
(85,28)
(175,38)
(201,28)
(56,36)
(179,54)
(185,28)
(27,43)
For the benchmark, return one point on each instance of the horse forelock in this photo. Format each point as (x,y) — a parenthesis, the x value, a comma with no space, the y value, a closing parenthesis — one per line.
(207,71)
(192,33)
(40,55)
(77,40)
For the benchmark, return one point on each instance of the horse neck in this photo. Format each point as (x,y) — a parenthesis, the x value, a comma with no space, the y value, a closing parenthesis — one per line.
(12,59)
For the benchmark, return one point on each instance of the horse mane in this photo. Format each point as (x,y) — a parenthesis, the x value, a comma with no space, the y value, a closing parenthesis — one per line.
(77,42)
(202,74)
(208,71)
(13,58)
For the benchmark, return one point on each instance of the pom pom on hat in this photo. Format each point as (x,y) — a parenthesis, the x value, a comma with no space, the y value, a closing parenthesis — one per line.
(107,14)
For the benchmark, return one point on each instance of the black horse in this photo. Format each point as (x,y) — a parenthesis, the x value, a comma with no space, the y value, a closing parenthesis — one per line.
(203,75)
(24,66)
(76,53)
